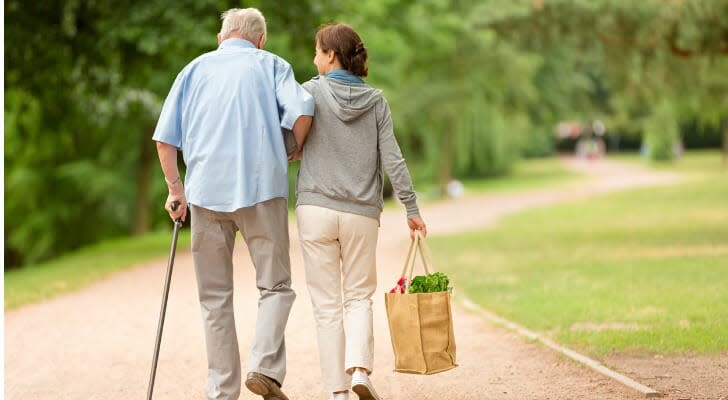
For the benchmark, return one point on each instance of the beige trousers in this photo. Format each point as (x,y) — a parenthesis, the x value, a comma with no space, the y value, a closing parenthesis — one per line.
(339,253)
(264,227)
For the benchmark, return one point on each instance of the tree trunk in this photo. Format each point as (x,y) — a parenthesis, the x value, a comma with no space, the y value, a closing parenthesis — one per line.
(142,212)
(725,143)
(447,147)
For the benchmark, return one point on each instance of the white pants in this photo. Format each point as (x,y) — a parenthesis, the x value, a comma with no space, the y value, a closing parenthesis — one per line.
(339,253)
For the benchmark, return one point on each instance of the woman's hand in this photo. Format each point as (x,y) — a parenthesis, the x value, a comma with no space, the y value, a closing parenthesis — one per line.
(296,156)
(416,223)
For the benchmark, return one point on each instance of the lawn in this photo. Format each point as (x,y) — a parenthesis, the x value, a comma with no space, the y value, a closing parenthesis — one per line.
(697,163)
(527,174)
(76,270)
(639,271)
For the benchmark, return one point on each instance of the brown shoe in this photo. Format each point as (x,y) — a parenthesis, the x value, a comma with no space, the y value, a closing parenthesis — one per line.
(264,386)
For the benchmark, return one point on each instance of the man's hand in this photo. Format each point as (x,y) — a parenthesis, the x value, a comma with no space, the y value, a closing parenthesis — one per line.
(416,224)
(176,193)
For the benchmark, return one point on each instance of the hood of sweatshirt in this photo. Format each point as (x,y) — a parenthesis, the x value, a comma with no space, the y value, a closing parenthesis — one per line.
(349,101)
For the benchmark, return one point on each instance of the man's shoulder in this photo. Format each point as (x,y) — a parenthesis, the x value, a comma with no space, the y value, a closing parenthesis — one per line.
(210,58)
(279,61)
(197,61)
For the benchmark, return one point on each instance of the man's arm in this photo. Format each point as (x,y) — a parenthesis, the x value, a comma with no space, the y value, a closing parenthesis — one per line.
(296,104)
(168,136)
(176,191)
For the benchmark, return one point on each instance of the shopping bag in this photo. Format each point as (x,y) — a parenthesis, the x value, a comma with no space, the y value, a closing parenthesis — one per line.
(420,324)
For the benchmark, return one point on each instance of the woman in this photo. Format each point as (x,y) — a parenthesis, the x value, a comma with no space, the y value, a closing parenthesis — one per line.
(339,191)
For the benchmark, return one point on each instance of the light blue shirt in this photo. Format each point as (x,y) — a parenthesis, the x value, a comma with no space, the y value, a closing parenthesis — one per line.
(225,112)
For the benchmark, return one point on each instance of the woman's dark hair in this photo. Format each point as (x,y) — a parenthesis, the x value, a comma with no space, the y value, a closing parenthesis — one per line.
(346,44)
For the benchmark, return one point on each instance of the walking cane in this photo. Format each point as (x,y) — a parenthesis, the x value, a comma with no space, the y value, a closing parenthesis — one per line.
(170,263)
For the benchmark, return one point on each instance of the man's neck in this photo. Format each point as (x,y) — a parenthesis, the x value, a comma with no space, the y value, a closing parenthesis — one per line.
(236,35)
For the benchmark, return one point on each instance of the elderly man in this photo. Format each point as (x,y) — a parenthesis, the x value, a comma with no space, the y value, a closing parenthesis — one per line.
(225,112)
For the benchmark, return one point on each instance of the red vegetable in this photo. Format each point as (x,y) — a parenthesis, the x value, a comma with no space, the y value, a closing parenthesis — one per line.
(401,286)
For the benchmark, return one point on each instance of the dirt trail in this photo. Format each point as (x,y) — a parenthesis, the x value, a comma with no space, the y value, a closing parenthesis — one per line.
(97,343)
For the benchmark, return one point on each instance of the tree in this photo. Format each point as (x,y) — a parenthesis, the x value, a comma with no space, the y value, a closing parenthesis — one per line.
(473,85)
(659,60)
(84,85)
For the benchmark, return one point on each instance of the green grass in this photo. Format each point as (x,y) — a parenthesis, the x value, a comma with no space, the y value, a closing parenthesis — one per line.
(638,271)
(526,174)
(695,162)
(39,282)
(529,174)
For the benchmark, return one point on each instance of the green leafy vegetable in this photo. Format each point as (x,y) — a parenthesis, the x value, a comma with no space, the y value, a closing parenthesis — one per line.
(435,282)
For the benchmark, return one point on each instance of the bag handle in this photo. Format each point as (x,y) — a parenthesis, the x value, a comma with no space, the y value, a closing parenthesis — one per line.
(410,253)
(425,254)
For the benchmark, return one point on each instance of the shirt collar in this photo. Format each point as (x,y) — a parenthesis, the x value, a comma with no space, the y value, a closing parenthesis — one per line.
(235,42)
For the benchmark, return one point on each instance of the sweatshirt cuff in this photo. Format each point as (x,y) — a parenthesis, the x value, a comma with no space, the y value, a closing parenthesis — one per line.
(412,209)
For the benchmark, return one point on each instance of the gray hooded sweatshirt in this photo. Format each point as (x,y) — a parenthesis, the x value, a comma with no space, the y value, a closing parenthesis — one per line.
(350,140)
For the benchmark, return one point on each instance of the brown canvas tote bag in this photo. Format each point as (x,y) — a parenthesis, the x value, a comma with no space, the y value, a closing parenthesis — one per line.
(420,324)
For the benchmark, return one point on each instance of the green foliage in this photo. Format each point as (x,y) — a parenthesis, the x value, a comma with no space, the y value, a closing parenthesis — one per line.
(448,100)
(84,84)
(473,86)
(643,57)
(430,283)
(661,133)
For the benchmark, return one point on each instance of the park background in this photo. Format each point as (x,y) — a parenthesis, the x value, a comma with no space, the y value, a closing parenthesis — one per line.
(479,91)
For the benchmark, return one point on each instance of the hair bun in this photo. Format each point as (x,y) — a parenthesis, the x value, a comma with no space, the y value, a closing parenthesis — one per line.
(359,48)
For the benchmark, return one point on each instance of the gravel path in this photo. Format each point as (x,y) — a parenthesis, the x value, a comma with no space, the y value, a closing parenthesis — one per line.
(97,343)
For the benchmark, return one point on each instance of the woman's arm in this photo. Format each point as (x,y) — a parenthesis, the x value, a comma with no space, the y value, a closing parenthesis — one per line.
(395,166)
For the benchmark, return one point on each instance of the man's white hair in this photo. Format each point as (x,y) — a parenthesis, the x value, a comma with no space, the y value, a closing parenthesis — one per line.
(248,22)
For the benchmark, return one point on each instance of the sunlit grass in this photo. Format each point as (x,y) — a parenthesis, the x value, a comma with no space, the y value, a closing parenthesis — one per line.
(638,271)
(529,174)
(39,282)
(526,174)
(696,162)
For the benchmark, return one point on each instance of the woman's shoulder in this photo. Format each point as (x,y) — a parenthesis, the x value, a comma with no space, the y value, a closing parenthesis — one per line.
(312,84)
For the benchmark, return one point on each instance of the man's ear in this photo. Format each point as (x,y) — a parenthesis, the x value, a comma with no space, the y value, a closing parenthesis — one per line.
(219,39)
(261,42)
(331,56)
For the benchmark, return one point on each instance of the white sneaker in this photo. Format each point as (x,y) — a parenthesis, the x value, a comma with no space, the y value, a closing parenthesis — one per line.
(339,396)
(362,386)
